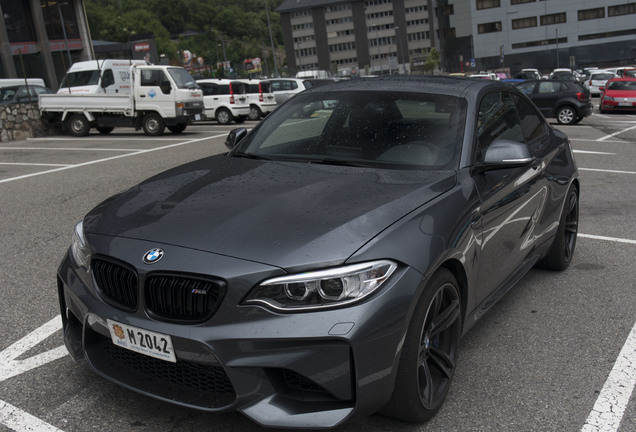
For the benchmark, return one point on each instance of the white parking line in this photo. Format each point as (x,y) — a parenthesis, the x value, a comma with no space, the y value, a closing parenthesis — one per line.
(33,164)
(607,171)
(593,152)
(72,149)
(20,421)
(110,158)
(608,411)
(616,133)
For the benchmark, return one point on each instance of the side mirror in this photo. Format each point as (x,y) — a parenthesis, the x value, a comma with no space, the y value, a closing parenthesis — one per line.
(504,153)
(234,137)
(165,87)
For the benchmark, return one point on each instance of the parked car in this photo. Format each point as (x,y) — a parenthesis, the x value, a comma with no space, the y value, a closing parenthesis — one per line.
(19,94)
(528,74)
(327,266)
(619,94)
(597,80)
(564,74)
(225,100)
(567,101)
(285,88)
(629,73)
(260,98)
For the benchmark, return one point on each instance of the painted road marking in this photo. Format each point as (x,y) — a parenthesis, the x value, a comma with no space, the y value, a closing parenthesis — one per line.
(616,133)
(608,411)
(593,152)
(10,367)
(607,171)
(110,158)
(20,421)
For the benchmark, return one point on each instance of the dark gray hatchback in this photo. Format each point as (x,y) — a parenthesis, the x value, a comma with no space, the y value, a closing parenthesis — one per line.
(569,102)
(327,266)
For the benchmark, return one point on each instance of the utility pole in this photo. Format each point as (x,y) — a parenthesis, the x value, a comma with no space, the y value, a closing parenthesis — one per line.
(271,39)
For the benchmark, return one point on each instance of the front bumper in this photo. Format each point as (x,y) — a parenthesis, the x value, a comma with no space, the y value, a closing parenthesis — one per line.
(302,370)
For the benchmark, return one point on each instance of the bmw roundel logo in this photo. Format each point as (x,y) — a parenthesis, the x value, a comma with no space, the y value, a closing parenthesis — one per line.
(153,255)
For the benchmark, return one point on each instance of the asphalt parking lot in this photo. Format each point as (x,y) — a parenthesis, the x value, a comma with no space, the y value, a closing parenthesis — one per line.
(558,353)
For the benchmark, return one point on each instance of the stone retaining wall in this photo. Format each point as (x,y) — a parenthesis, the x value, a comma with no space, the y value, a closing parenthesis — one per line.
(22,121)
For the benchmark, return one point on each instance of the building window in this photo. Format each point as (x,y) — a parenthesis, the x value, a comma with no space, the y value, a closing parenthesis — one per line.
(589,14)
(557,18)
(17,18)
(516,2)
(487,4)
(524,23)
(51,12)
(626,9)
(489,27)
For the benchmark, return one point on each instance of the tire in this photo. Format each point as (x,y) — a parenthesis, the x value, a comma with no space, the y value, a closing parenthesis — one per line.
(561,251)
(255,113)
(224,116)
(153,124)
(177,129)
(566,115)
(78,125)
(429,354)
(104,130)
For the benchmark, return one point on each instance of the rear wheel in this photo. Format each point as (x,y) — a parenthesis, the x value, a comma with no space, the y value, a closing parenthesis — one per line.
(78,125)
(224,116)
(562,250)
(566,115)
(430,352)
(255,113)
(153,124)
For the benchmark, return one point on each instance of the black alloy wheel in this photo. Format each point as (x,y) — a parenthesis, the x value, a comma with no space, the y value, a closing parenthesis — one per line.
(562,250)
(430,352)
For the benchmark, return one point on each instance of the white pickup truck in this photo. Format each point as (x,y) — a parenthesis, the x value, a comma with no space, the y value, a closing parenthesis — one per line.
(160,97)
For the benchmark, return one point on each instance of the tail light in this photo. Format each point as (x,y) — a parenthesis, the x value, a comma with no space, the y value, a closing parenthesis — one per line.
(260,93)
(581,96)
(231,95)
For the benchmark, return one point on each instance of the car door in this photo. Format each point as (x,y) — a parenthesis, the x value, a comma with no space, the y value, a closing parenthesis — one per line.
(545,97)
(156,92)
(210,98)
(511,201)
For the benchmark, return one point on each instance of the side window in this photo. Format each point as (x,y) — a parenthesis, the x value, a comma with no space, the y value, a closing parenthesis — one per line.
(497,119)
(152,78)
(526,88)
(533,126)
(108,78)
(276,86)
(206,88)
(549,87)
(293,85)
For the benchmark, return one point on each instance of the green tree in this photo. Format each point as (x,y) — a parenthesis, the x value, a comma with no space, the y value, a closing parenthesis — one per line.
(432,61)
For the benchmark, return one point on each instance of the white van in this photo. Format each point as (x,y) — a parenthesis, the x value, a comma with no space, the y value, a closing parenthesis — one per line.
(99,76)
(225,100)
(260,97)
(10,82)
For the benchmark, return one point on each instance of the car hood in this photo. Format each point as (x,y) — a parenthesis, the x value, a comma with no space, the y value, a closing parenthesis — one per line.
(620,93)
(285,214)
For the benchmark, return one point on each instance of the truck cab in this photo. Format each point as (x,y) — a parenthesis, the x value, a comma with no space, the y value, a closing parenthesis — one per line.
(99,76)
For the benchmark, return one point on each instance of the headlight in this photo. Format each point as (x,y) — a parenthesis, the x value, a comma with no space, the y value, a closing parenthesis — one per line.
(321,289)
(79,248)
(608,98)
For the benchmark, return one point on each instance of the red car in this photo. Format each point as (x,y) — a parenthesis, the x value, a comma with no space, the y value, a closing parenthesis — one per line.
(619,94)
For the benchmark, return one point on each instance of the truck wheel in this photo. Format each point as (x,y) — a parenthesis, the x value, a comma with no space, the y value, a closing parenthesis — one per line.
(78,125)
(176,129)
(255,113)
(224,116)
(153,124)
(104,130)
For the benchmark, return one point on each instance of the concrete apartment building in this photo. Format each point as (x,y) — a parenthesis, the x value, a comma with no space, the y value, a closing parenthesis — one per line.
(387,36)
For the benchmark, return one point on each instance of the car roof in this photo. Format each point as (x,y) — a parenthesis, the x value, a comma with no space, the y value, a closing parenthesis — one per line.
(455,86)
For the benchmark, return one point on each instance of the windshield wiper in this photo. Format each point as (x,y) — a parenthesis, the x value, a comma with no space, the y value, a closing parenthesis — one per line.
(250,156)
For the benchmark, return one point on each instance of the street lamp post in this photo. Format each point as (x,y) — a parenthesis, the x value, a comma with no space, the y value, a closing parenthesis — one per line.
(557,47)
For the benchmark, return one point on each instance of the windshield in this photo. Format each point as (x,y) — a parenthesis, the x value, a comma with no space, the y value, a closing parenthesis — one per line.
(80,79)
(182,78)
(622,85)
(387,129)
